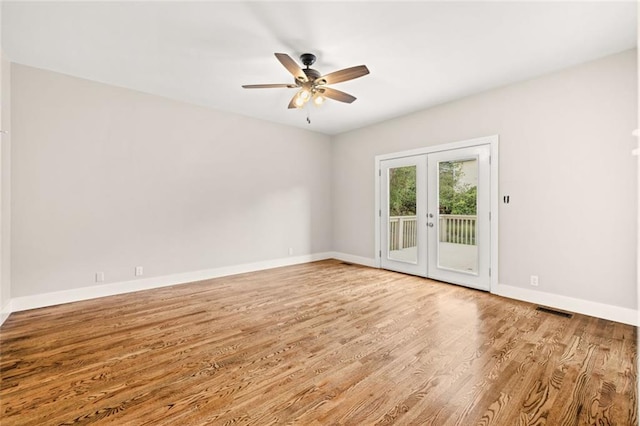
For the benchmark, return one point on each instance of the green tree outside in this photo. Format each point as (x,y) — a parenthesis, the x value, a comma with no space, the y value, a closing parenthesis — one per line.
(402,191)
(456,197)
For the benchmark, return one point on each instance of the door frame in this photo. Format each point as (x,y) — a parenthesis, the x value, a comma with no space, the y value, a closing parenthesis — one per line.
(493,142)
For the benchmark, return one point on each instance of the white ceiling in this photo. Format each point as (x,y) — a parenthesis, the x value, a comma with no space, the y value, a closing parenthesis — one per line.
(420,54)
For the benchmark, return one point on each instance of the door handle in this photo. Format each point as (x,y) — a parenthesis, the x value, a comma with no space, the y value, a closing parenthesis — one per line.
(430,224)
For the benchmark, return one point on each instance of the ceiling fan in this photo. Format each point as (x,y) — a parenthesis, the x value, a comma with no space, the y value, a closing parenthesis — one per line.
(313,85)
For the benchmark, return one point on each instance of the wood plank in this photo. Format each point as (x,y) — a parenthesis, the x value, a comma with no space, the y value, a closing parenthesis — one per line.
(314,344)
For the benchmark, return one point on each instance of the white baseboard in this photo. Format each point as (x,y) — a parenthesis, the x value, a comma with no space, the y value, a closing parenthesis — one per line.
(365,261)
(586,307)
(565,303)
(599,310)
(74,295)
(5,311)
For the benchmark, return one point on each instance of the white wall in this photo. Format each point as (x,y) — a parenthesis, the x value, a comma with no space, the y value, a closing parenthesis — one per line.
(565,142)
(5,188)
(107,179)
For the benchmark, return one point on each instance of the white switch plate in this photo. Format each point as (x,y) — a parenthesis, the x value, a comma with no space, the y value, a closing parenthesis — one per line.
(99,277)
(139,271)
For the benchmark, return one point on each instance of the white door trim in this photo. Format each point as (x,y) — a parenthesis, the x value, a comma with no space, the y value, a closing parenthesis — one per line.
(493,141)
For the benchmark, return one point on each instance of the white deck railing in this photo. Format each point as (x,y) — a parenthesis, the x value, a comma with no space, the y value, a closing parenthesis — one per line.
(458,229)
(454,228)
(402,232)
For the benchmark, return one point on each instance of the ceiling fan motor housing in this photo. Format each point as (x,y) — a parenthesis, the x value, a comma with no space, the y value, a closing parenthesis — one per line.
(311,73)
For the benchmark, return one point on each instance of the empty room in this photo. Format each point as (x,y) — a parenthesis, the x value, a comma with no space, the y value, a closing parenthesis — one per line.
(319,213)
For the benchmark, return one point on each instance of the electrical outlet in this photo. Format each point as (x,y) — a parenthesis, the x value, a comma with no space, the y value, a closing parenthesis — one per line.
(533,280)
(139,271)
(290,251)
(99,277)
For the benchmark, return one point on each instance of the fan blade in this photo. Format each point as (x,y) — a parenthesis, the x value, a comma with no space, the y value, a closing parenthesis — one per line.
(343,75)
(292,67)
(337,95)
(268,86)
(292,103)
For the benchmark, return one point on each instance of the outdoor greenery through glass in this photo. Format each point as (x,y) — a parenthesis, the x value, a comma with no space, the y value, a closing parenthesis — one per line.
(403,224)
(402,191)
(456,195)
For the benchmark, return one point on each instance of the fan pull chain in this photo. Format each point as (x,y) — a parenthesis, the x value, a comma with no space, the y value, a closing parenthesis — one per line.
(308,116)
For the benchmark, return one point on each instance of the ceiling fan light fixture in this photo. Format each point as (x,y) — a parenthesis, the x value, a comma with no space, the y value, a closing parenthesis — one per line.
(318,99)
(304,94)
(299,102)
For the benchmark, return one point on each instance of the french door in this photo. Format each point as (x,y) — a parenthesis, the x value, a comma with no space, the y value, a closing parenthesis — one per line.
(404,204)
(435,218)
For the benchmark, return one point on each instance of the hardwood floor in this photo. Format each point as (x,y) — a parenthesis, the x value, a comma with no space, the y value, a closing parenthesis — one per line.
(317,344)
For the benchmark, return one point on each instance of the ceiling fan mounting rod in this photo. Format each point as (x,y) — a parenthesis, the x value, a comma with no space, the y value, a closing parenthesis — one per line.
(308,59)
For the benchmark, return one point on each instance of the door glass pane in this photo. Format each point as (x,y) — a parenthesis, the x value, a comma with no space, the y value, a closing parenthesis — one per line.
(403,230)
(457,195)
